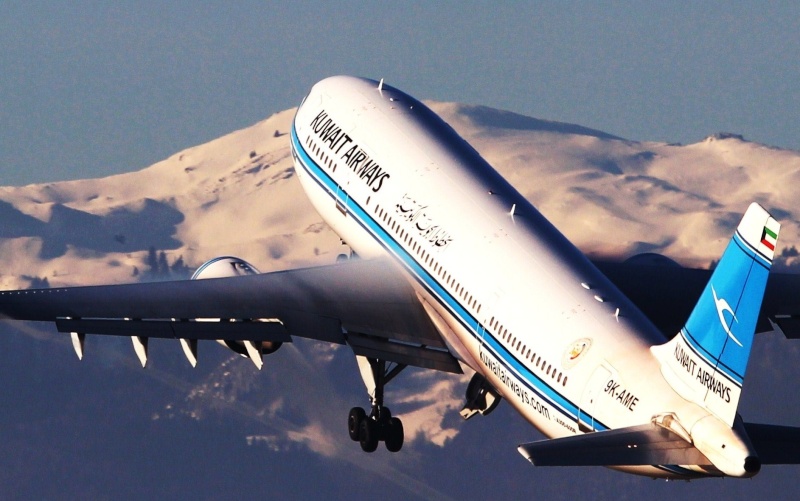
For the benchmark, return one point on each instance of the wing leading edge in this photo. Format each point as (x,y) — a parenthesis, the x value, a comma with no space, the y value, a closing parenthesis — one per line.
(366,304)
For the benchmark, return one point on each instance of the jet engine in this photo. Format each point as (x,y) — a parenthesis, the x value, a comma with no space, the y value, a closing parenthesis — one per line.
(229,266)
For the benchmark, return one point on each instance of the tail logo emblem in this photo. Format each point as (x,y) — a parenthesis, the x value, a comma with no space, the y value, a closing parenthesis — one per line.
(723,306)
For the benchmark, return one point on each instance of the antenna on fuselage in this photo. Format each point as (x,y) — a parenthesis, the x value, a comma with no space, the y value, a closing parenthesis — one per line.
(380,85)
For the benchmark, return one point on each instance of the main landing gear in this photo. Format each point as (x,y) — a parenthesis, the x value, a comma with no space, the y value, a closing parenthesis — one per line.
(379,425)
(481,397)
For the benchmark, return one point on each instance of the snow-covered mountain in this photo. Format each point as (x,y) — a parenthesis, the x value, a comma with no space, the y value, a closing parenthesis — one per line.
(237,195)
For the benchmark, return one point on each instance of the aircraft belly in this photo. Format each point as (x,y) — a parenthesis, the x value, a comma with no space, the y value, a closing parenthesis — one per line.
(458,342)
(547,418)
(536,406)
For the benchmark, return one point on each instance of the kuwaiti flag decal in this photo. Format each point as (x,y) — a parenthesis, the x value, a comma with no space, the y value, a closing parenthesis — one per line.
(760,231)
(769,238)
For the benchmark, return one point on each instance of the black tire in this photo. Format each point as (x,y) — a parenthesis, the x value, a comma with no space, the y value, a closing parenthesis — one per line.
(385,416)
(368,435)
(354,419)
(394,436)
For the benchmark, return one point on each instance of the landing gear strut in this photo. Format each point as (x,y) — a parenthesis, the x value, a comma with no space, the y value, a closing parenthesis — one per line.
(379,425)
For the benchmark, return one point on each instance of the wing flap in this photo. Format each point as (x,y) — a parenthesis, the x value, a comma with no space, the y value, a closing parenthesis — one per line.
(642,445)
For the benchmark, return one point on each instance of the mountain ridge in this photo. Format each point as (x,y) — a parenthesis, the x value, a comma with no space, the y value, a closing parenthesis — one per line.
(236,195)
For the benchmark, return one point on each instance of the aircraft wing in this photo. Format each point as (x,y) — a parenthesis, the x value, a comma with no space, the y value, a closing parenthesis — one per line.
(775,444)
(667,294)
(365,304)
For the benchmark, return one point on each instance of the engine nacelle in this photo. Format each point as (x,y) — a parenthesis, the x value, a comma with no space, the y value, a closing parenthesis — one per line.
(224,266)
(230,266)
(267,347)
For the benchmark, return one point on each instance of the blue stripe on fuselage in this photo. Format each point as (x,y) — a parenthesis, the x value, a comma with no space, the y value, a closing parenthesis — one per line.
(503,355)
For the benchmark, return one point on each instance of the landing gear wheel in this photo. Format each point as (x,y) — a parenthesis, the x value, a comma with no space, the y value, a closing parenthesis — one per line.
(379,425)
(368,435)
(354,419)
(394,435)
(384,415)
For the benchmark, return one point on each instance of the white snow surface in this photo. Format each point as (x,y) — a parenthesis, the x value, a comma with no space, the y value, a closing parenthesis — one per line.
(237,195)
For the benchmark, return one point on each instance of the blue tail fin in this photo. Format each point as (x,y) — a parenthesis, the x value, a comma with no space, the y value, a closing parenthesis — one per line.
(707,361)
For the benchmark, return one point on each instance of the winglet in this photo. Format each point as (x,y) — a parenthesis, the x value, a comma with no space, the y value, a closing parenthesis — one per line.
(706,362)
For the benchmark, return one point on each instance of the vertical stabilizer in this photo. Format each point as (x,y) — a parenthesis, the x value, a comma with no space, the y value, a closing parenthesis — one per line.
(706,362)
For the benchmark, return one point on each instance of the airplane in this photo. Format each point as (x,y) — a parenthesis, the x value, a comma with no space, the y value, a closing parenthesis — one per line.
(635,365)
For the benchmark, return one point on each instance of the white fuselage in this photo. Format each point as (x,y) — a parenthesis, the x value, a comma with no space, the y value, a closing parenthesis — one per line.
(512,297)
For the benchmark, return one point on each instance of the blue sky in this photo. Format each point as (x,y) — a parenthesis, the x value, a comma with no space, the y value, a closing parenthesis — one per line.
(97,89)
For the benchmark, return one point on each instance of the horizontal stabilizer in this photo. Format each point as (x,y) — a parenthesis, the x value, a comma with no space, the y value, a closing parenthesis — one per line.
(647,444)
(775,444)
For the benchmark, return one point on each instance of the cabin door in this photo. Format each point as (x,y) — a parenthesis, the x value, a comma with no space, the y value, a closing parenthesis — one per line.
(591,394)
